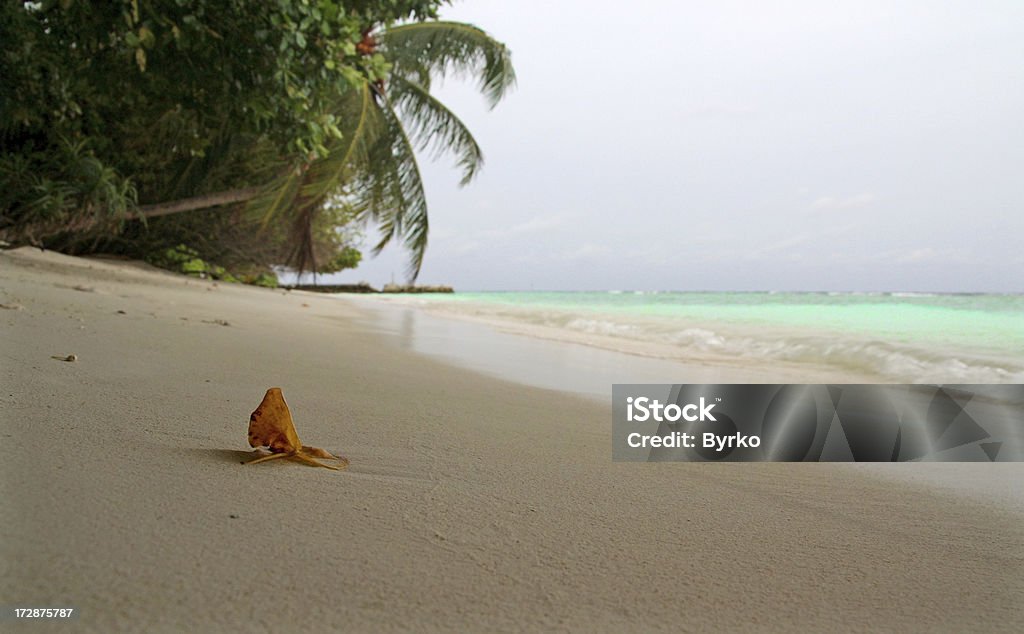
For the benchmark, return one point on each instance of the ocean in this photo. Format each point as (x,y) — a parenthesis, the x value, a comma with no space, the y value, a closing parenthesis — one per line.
(890,337)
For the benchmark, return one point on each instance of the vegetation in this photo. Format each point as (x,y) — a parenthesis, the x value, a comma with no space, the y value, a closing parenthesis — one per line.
(186,260)
(256,133)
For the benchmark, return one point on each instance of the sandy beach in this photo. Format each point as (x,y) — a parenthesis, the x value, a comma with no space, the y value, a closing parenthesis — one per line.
(472,503)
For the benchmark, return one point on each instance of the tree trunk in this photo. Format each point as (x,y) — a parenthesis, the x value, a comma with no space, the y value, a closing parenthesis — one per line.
(33,234)
(205,201)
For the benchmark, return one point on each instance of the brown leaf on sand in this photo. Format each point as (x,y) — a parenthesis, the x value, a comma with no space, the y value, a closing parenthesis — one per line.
(70,358)
(271,426)
(12,307)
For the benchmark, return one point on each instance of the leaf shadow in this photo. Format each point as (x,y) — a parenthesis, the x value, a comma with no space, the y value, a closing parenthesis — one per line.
(226,455)
(236,456)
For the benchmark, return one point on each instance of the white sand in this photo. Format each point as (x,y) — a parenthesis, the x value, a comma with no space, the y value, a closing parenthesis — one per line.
(471,503)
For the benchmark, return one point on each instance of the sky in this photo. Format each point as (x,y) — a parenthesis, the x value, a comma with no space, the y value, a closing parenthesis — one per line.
(737,146)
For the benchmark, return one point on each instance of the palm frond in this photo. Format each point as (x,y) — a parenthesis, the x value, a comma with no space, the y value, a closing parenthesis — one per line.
(450,47)
(391,194)
(362,125)
(434,127)
(298,196)
(278,198)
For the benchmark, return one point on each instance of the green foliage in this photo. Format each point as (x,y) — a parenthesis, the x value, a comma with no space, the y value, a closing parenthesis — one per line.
(106,105)
(268,280)
(183,259)
(347,258)
(108,109)
(47,187)
(275,68)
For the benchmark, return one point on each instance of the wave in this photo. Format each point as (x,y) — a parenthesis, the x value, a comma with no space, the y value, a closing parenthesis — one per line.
(675,339)
(899,362)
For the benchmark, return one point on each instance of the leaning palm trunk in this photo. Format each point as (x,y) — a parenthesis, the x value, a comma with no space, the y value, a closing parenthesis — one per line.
(196,203)
(34,233)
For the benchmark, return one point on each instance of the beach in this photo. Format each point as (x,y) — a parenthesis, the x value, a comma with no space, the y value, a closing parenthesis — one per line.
(472,503)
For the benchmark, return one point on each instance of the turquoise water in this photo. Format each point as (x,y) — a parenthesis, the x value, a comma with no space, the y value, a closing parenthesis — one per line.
(898,336)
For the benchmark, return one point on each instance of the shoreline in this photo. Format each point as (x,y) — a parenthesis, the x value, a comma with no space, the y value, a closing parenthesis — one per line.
(471,502)
(588,368)
(765,344)
(605,359)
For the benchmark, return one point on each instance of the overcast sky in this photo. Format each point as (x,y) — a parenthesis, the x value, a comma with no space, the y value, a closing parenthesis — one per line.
(738,146)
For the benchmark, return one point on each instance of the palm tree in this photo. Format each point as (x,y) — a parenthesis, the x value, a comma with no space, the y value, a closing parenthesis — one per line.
(373,168)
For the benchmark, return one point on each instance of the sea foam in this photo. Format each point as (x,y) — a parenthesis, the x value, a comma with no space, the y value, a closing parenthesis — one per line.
(904,337)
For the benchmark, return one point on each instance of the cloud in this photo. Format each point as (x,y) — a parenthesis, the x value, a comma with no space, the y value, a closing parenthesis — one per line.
(587,250)
(921,255)
(927,254)
(800,246)
(785,243)
(718,111)
(533,225)
(473,241)
(830,203)
(470,246)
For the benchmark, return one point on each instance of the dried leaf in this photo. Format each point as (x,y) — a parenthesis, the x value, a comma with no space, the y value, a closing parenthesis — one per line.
(316,452)
(271,426)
